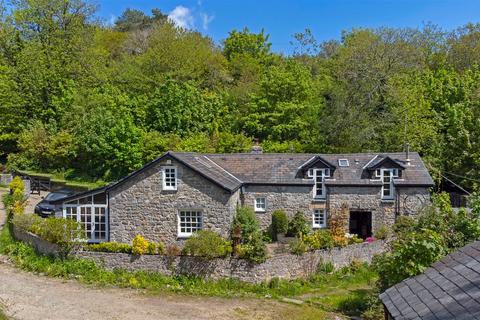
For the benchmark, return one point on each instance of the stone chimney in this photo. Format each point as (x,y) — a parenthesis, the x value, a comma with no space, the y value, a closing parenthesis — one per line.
(256,148)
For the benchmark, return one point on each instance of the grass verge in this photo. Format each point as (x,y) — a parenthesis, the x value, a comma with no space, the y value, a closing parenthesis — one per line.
(341,291)
(60,178)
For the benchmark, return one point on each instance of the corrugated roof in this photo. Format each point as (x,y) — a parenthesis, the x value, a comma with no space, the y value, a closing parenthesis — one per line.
(449,289)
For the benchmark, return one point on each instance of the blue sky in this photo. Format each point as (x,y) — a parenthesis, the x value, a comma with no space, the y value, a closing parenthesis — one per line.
(281,18)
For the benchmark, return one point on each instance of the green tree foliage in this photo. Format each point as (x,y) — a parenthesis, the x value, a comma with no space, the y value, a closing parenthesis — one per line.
(102,100)
(419,243)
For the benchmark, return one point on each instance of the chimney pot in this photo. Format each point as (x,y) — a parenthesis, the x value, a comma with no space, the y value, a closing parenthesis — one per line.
(256,148)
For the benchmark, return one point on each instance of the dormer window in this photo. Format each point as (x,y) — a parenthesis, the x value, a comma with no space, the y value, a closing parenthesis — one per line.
(319,175)
(170,178)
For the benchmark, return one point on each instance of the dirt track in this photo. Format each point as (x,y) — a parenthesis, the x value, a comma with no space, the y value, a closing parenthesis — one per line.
(26,296)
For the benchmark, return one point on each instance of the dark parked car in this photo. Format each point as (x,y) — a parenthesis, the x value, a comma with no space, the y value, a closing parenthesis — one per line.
(46,208)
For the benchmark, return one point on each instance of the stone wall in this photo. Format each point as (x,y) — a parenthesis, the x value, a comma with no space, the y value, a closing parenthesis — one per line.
(285,266)
(291,199)
(140,206)
(41,246)
(287,198)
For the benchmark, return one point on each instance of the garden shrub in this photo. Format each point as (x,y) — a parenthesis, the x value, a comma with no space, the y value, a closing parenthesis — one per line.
(26,222)
(114,247)
(66,233)
(279,223)
(298,226)
(320,239)
(298,246)
(16,184)
(151,248)
(140,245)
(403,225)
(325,267)
(410,255)
(252,246)
(160,248)
(254,249)
(382,232)
(207,244)
(247,221)
(172,250)
(337,224)
(354,239)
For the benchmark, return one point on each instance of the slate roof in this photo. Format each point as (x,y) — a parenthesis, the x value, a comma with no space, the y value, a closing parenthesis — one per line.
(232,170)
(282,168)
(449,289)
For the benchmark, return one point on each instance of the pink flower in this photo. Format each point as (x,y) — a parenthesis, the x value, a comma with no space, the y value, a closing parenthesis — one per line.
(370,239)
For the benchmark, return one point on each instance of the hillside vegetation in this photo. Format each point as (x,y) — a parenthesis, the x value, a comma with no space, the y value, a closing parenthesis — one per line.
(81,98)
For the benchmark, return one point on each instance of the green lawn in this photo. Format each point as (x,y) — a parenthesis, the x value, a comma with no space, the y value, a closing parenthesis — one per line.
(69,182)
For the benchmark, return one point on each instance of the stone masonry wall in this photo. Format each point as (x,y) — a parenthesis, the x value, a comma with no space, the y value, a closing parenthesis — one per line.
(409,201)
(287,198)
(358,198)
(140,206)
(285,266)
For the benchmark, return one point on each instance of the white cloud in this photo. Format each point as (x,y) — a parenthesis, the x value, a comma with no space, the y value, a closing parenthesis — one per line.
(206,19)
(112,20)
(182,17)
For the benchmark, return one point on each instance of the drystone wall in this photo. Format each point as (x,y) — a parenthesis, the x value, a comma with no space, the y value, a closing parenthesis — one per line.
(284,266)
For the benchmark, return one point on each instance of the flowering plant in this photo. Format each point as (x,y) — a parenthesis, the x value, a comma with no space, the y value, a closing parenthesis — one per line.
(370,239)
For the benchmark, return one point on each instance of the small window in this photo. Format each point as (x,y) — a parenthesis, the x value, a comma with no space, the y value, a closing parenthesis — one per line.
(319,218)
(260,204)
(343,163)
(189,221)
(395,173)
(170,178)
(378,173)
(310,173)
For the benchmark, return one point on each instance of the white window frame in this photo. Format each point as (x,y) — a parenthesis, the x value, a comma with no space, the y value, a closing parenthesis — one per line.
(186,234)
(322,217)
(165,185)
(92,206)
(390,173)
(343,163)
(322,174)
(257,202)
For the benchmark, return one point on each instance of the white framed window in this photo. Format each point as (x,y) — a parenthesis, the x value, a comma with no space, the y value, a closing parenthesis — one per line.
(386,176)
(319,219)
(260,204)
(319,190)
(189,221)
(170,178)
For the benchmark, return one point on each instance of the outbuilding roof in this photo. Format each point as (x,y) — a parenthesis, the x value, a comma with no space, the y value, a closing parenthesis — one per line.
(449,289)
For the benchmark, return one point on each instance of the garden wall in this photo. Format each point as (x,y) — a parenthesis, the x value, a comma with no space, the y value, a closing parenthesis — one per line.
(286,266)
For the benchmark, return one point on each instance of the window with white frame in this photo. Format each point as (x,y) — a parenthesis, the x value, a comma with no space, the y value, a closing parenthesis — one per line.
(189,221)
(319,175)
(386,176)
(170,178)
(319,218)
(260,204)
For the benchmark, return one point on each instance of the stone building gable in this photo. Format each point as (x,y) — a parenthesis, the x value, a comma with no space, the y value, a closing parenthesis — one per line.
(140,205)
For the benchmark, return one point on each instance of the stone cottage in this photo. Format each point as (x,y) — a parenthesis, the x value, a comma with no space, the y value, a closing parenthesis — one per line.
(179,193)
